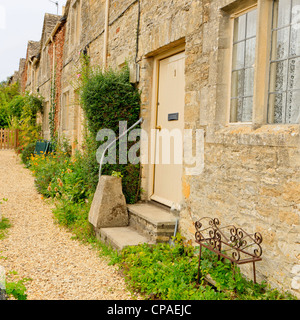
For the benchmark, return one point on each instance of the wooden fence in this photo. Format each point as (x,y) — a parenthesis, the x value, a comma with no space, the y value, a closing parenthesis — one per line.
(9,138)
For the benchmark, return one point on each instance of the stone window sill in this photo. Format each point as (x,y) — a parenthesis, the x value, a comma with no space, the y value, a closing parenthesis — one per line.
(283,135)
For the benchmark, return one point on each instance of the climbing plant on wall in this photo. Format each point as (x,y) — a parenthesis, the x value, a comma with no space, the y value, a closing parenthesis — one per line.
(108,97)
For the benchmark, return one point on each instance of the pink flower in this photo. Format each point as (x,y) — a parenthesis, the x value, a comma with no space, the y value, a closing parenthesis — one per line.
(78,76)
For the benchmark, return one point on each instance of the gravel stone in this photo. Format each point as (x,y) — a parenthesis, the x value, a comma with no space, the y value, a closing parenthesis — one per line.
(36,248)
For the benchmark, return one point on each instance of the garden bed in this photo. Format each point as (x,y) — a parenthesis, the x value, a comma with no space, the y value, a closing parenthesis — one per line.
(164,272)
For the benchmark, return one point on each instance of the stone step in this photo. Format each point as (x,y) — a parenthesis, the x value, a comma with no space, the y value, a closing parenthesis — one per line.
(122,237)
(152,221)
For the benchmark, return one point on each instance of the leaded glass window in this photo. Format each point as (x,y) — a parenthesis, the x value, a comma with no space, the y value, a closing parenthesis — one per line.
(284,88)
(243,58)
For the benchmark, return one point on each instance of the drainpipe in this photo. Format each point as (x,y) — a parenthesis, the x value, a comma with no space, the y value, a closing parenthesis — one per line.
(105,35)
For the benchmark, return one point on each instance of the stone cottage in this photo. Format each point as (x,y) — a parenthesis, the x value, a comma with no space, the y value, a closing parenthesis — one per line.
(229,69)
(28,72)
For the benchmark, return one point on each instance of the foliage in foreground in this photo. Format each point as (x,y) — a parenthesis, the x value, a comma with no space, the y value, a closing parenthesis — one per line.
(14,288)
(17,288)
(4,226)
(170,273)
(65,180)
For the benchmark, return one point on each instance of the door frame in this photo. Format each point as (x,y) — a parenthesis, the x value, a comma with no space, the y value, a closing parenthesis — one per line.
(154,109)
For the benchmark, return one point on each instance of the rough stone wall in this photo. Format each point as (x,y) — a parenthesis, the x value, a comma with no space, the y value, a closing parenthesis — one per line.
(44,86)
(251,176)
(70,64)
(122,32)
(255,187)
(58,46)
(21,73)
(24,78)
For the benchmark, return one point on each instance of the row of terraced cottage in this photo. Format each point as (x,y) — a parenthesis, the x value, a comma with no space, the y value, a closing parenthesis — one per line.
(229,69)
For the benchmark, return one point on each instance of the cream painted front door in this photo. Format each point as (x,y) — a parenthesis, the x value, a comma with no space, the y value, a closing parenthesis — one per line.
(170,125)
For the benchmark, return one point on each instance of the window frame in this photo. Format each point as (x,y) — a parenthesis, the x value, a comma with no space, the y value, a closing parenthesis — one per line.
(75,24)
(273,78)
(262,65)
(233,16)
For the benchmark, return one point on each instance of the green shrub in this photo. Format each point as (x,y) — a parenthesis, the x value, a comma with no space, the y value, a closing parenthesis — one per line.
(4,226)
(17,289)
(27,153)
(4,117)
(16,106)
(32,104)
(7,94)
(47,170)
(64,179)
(160,271)
(74,216)
(170,273)
(108,98)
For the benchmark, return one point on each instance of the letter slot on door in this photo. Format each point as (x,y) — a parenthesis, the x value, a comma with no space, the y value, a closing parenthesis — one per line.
(173,116)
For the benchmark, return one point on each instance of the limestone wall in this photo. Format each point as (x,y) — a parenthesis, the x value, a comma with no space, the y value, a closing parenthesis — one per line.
(251,175)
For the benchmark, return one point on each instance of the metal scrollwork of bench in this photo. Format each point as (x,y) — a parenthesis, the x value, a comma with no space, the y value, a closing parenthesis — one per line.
(229,242)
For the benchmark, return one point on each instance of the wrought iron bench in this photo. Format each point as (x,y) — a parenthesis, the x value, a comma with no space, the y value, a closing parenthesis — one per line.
(228,242)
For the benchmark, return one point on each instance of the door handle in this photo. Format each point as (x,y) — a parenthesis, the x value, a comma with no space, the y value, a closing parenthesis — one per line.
(158,128)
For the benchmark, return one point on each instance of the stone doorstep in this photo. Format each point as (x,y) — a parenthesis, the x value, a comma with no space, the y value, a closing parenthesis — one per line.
(136,221)
(151,232)
(152,214)
(152,221)
(121,237)
(147,224)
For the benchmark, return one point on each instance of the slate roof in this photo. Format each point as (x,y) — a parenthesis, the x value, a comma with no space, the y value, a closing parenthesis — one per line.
(22,65)
(33,48)
(50,21)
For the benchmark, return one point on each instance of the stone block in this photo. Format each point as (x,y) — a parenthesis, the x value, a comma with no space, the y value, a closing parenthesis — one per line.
(109,205)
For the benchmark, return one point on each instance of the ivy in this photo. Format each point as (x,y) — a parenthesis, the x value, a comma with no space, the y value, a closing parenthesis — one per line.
(108,97)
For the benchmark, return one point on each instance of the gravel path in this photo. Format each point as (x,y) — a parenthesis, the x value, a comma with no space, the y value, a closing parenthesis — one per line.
(36,248)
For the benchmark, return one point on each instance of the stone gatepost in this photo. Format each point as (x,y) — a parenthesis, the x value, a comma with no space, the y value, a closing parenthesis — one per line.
(109,208)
